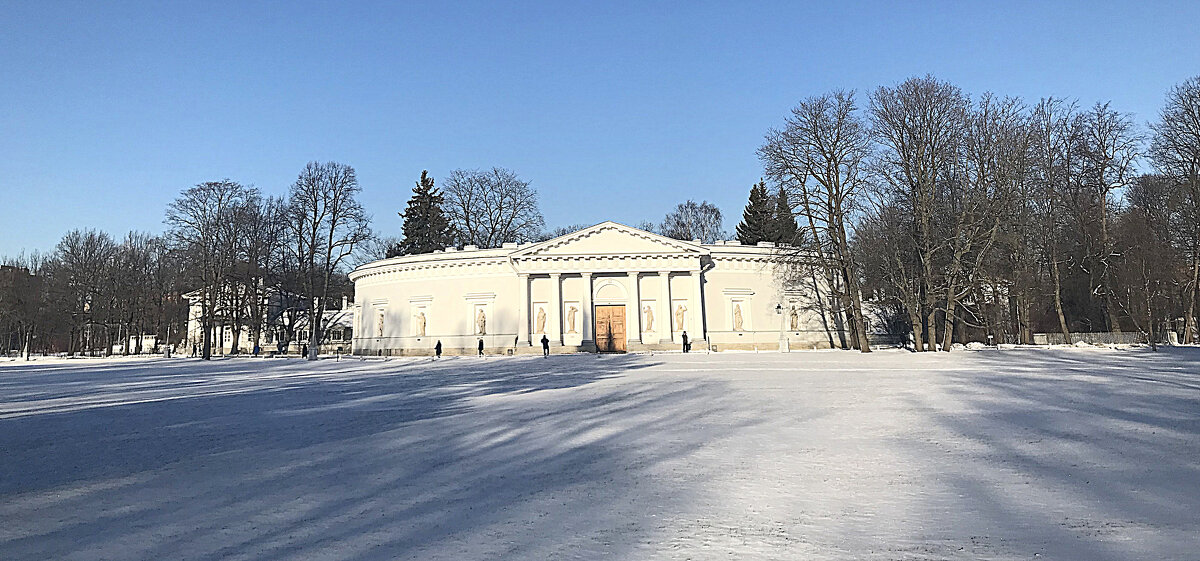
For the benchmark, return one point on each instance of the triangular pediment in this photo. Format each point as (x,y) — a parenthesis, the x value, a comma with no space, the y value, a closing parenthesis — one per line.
(610,238)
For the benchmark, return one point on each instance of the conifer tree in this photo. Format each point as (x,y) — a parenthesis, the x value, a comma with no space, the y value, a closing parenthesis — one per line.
(758,219)
(425,225)
(785,228)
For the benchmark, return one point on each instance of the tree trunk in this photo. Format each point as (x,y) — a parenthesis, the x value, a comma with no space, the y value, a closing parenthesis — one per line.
(948,319)
(836,306)
(314,326)
(821,306)
(206,341)
(235,347)
(1189,320)
(1149,315)
(1110,305)
(28,343)
(1058,308)
(914,316)
(931,328)
(856,314)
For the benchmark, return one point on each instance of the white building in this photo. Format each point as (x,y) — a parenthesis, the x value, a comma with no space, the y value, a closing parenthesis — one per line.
(280,317)
(609,287)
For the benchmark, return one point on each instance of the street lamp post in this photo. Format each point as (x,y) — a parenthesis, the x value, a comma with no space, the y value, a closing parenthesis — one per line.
(783,346)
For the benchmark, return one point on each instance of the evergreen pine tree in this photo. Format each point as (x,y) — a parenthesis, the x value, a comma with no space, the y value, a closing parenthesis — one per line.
(758,218)
(425,225)
(785,229)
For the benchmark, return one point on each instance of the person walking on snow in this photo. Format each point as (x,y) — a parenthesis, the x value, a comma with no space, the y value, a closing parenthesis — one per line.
(437,349)
(545,346)
(686,345)
(481,347)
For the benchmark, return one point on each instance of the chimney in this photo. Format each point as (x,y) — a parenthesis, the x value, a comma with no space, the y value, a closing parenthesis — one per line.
(345,302)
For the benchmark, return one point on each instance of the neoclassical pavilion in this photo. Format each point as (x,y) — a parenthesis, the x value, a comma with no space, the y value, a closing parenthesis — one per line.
(607,288)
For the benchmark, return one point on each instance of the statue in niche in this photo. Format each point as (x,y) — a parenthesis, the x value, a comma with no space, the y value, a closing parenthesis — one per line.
(679,312)
(379,327)
(420,324)
(737,317)
(481,322)
(795,317)
(571,319)
(541,321)
(649,312)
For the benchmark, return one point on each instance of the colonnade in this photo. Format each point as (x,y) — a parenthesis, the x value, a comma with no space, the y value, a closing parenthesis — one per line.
(664,325)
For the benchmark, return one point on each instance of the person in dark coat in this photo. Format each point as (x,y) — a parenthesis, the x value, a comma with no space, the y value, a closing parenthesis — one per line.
(545,346)
(481,347)
(687,346)
(438,349)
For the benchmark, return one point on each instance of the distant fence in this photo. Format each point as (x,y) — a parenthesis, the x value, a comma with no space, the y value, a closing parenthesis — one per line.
(1094,338)
(887,340)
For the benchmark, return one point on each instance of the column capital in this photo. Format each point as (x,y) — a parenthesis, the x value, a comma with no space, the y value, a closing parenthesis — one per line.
(555,275)
(586,275)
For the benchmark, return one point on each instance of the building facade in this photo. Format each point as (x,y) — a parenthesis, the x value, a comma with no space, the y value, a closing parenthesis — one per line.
(284,323)
(607,288)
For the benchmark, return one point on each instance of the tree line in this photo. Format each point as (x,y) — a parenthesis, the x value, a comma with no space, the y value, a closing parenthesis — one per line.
(257,264)
(924,213)
(488,208)
(947,217)
(227,247)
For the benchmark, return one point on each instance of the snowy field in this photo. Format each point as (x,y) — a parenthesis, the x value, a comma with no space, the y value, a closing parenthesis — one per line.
(1013,454)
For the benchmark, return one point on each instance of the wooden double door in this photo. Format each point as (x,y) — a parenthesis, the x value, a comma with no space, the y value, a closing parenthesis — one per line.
(610,329)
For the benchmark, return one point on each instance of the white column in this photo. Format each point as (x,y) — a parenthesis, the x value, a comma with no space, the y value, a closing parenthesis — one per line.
(697,308)
(556,305)
(633,325)
(523,327)
(586,320)
(666,315)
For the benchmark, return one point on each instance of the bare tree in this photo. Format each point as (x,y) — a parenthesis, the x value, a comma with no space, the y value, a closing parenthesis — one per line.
(263,235)
(1175,150)
(327,222)
(82,261)
(1146,263)
(561,231)
(199,231)
(920,126)
(24,300)
(693,221)
(818,160)
(132,287)
(1055,129)
(882,242)
(1109,148)
(490,207)
(975,201)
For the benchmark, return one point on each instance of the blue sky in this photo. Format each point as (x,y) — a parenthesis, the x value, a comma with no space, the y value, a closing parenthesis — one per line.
(612,110)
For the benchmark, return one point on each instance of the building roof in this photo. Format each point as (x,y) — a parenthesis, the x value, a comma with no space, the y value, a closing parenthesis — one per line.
(606,240)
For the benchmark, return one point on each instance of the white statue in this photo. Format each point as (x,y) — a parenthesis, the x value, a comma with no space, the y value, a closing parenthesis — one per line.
(541,321)
(571,319)
(737,317)
(481,322)
(379,327)
(649,318)
(795,320)
(679,311)
(420,324)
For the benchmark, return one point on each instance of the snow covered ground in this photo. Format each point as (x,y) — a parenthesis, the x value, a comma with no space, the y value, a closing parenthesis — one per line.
(994,454)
